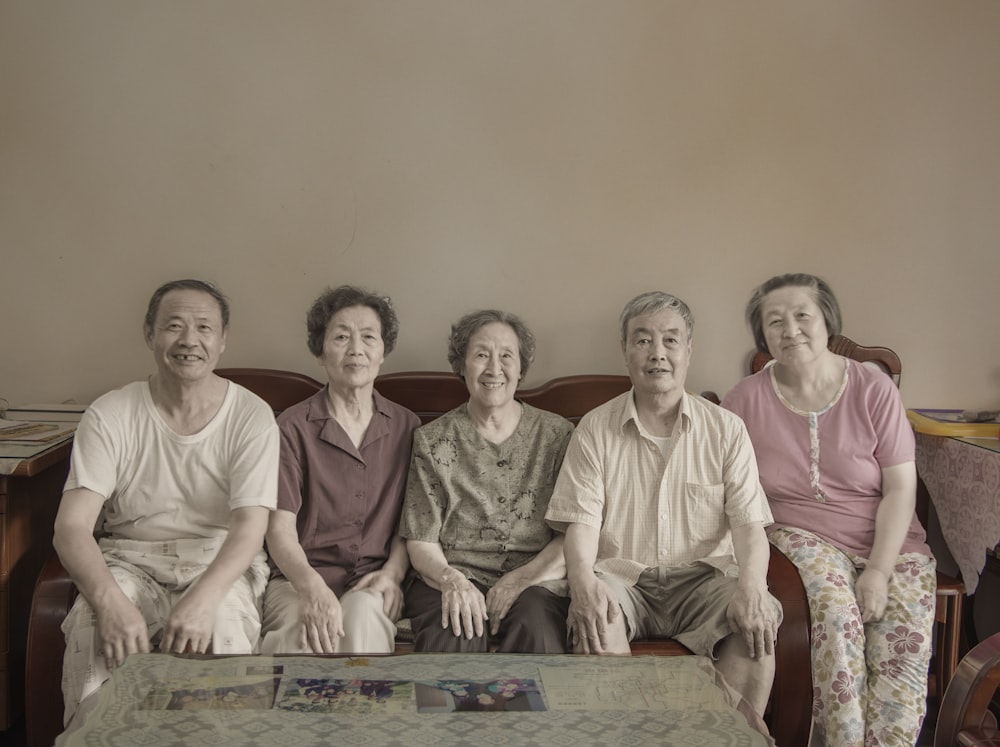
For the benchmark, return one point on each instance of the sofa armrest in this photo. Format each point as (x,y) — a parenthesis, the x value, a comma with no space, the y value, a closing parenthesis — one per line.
(964,716)
(43,702)
(789,714)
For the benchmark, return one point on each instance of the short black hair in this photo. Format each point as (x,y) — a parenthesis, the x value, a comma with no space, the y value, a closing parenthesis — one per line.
(342,297)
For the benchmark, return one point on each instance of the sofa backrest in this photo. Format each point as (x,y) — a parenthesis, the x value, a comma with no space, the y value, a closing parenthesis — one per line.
(431,394)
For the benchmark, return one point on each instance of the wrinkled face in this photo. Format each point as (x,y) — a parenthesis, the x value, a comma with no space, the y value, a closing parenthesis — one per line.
(492,367)
(794,326)
(353,351)
(657,352)
(187,337)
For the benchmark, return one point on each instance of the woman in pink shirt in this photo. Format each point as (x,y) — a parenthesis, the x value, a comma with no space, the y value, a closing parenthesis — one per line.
(836,459)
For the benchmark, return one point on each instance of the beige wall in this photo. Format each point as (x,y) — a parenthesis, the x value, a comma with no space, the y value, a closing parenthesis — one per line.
(553,157)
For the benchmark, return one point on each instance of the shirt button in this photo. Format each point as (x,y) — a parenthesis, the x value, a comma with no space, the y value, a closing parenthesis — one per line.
(663,517)
(501,499)
(502,463)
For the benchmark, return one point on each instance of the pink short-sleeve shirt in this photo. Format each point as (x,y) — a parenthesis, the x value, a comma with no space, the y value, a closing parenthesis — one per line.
(865,431)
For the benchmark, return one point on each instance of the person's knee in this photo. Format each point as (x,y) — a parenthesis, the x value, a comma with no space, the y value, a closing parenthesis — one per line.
(362,603)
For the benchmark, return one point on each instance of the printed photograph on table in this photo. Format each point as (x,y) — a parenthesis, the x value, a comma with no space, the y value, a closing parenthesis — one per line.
(448,696)
(213,694)
(310,695)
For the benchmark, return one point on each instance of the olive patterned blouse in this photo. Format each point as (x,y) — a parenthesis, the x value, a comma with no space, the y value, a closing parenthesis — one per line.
(484,503)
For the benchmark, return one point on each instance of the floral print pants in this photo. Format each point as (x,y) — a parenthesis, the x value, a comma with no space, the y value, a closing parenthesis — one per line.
(869,679)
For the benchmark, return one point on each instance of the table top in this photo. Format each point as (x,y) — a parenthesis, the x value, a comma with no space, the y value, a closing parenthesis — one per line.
(417,699)
(32,464)
(990,444)
(950,423)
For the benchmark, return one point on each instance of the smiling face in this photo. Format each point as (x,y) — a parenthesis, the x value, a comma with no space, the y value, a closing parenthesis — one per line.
(353,351)
(794,327)
(657,352)
(492,365)
(187,337)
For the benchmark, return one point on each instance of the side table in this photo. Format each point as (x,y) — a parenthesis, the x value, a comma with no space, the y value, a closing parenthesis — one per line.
(29,498)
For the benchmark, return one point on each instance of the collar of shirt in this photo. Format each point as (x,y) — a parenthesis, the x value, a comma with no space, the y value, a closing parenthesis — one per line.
(630,414)
(332,432)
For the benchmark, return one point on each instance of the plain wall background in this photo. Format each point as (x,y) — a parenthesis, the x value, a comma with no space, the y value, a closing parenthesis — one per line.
(551,157)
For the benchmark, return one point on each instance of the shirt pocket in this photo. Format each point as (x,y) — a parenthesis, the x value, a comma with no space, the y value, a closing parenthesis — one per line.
(706,495)
(705,515)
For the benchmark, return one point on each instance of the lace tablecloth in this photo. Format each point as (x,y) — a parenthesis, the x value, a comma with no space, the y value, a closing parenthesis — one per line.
(964,484)
(417,699)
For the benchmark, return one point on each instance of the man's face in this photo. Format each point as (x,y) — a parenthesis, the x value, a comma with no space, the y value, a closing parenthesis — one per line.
(187,338)
(657,352)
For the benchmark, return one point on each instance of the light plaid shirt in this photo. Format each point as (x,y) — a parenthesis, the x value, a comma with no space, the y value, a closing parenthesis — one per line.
(655,509)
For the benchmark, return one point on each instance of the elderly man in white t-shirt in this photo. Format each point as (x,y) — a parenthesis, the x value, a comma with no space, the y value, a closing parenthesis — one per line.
(179,475)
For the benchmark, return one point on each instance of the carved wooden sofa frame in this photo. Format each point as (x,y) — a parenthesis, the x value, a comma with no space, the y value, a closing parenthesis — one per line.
(430,394)
(965,717)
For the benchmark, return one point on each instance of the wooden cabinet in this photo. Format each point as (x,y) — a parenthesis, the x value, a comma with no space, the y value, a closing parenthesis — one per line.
(28,501)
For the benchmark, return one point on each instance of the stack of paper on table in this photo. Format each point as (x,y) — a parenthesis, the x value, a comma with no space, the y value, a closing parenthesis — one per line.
(21,439)
(60,413)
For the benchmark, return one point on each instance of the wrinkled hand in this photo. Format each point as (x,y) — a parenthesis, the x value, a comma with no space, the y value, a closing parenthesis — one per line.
(593,606)
(463,606)
(121,630)
(190,625)
(752,614)
(501,597)
(872,593)
(391,591)
(321,619)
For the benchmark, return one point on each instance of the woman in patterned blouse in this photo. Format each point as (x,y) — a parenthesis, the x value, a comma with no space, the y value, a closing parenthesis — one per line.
(473,516)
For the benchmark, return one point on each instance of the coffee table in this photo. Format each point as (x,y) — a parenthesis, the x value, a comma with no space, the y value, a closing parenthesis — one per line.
(417,699)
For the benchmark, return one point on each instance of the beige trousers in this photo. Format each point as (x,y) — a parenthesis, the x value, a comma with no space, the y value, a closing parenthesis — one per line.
(154,576)
(367,629)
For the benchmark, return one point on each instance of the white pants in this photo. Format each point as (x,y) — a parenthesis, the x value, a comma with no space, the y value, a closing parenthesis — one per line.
(154,576)
(367,629)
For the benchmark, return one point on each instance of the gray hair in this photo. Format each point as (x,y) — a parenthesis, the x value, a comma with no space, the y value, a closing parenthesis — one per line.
(822,295)
(333,300)
(187,284)
(463,330)
(651,302)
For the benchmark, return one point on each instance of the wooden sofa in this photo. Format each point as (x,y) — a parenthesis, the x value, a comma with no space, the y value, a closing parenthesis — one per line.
(430,394)
(965,717)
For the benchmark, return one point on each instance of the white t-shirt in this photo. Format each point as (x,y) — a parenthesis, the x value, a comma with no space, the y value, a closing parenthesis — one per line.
(159,485)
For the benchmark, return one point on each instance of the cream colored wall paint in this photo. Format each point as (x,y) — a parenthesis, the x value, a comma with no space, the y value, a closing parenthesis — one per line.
(552,157)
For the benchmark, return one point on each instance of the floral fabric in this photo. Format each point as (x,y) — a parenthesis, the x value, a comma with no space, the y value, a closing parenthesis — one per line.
(869,679)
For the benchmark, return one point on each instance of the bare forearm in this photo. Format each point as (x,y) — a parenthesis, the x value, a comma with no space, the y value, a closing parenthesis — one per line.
(286,552)
(548,565)
(78,551)
(429,561)
(753,553)
(894,515)
(580,550)
(398,562)
(244,540)
(890,532)
(85,563)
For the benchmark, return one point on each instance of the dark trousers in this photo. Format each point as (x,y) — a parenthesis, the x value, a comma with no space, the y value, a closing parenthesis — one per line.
(535,623)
